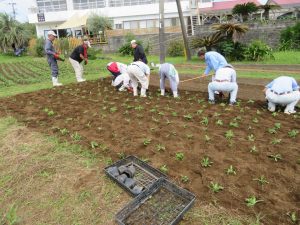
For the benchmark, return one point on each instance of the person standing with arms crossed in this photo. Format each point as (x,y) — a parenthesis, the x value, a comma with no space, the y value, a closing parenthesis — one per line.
(52,57)
(139,53)
(78,55)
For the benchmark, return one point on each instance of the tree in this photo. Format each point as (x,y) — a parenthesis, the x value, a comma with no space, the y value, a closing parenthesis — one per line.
(231,31)
(207,41)
(12,32)
(267,8)
(245,9)
(96,23)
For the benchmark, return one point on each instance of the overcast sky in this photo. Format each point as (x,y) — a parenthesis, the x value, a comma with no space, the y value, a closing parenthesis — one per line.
(22,6)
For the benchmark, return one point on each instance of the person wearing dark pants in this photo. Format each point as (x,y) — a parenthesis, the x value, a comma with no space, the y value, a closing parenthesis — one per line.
(52,57)
(139,53)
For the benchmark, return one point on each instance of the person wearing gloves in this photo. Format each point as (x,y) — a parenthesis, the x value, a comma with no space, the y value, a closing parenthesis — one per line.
(224,81)
(78,55)
(139,72)
(139,53)
(168,71)
(283,91)
(121,78)
(52,57)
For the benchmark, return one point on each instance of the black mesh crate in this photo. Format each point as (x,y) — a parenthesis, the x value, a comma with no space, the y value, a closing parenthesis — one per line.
(164,203)
(145,174)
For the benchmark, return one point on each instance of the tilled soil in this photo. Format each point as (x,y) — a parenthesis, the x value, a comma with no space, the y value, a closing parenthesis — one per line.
(125,125)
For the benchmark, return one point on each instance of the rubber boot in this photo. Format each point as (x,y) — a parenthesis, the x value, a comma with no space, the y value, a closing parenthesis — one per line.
(143,92)
(55,82)
(162,92)
(175,94)
(135,92)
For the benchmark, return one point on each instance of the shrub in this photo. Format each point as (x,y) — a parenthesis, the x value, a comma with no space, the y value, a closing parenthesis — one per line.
(126,48)
(175,48)
(92,53)
(232,51)
(258,50)
(290,38)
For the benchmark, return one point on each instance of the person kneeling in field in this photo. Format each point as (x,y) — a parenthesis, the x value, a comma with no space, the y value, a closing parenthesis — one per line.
(78,55)
(121,78)
(139,72)
(168,71)
(224,81)
(283,91)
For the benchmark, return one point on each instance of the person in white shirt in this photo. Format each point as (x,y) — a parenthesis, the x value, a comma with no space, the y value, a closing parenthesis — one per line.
(224,81)
(139,72)
(168,71)
(121,78)
(283,91)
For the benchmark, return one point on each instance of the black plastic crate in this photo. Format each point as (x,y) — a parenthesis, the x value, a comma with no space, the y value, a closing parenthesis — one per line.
(164,203)
(145,174)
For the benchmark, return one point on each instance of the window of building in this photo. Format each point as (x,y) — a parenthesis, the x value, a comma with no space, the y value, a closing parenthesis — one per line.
(51,5)
(143,24)
(150,23)
(205,1)
(88,4)
(118,26)
(119,3)
(168,22)
(126,25)
(134,25)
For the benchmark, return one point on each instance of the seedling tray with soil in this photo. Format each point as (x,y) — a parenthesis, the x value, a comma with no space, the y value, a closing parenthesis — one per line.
(163,203)
(133,174)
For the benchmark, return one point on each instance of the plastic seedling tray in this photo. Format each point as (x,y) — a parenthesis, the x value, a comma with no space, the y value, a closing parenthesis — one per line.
(145,175)
(164,203)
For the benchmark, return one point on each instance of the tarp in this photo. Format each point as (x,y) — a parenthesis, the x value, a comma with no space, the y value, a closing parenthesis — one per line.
(74,21)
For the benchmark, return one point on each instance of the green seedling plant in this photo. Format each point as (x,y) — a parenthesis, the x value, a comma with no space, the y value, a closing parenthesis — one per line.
(200,111)
(190,136)
(274,114)
(188,116)
(217,114)
(184,179)
(121,155)
(215,187)
(160,148)
(234,124)
(293,217)
(174,113)
(276,157)
(229,134)
(231,170)
(277,126)
(205,162)
(164,169)
(64,131)
(253,149)
(275,141)
(252,201)
(207,138)
(76,136)
(251,137)
(261,180)
(250,101)
(179,156)
(94,144)
(113,109)
(219,122)
(272,130)
(293,133)
(146,141)
(204,121)
(255,120)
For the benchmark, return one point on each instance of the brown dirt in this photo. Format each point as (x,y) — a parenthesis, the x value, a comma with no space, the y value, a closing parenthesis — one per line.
(121,123)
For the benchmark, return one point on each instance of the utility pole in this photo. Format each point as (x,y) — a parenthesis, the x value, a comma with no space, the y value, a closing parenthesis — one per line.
(183,29)
(13,8)
(162,50)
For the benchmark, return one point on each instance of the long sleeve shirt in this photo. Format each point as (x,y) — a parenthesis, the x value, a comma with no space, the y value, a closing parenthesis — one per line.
(144,67)
(49,49)
(214,61)
(283,84)
(226,73)
(139,54)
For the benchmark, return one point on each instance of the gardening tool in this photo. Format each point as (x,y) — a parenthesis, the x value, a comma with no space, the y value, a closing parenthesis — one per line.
(195,78)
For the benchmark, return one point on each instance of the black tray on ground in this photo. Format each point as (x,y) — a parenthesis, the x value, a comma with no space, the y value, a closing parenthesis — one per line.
(145,174)
(164,203)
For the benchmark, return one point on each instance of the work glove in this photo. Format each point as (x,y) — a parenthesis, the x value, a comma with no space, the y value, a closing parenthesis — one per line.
(58,57)
(85,61)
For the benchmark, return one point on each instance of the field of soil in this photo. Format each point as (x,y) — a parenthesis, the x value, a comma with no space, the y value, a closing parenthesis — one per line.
(253,141)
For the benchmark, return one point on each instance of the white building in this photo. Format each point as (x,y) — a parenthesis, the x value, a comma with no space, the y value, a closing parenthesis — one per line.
(68,17)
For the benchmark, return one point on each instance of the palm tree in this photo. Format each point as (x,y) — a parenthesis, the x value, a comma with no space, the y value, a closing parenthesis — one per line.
(207,41)
(232,31)
(245,9)
(267,8)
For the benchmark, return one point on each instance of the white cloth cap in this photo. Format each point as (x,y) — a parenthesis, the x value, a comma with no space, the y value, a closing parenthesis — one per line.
(87,43)
(51,32)
(133,42)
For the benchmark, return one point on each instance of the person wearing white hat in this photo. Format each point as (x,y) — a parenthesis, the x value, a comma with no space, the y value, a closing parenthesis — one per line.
(121,79)
(139,72)
(224,81)
(52,57)
(78,55)
(139,53)
(283,91)
(168,71)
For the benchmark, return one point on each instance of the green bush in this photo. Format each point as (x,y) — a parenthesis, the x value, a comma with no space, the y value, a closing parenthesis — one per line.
(290,38)
(126,48)
(176,48)
(232,51)
(92,53)
(258,50)
(39,47)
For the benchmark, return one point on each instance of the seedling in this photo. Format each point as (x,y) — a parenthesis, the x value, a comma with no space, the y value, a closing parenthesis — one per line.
(188,116)
(229,135)
(275,141)
(255,120)
(153,110)
(234,124)
(164,169)
(231,170)
(251,137)
(94,144)
(252,201)
(216,114)
(274,114)
(113,109)
(76,136)
(258,112)
(179,156)
(122,155)
(155,120)
(205,162)
(174,113)
(160,148)
(168,122)
(109,161)
(219,122)
(293,133)
(204,121)
(161,113)
(272,130)
(200,111)
(64,131)
(200,101)
(261,180)
(250,101)
(276,157)
(190,136)
(146,141)
(184,179)
(146,160)
(207,138)
(277,126)
(215,187)
(253,149)
(139,108)
(293,217)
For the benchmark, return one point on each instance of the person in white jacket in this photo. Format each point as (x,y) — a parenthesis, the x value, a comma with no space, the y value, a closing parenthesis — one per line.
(121,79)
(168,71)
